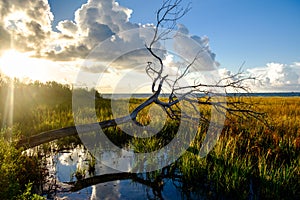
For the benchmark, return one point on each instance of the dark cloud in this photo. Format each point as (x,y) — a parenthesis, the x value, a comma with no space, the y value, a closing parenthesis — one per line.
(9,6)
(95,22)
(38,9)
(95,68)
(26,23)
(4,8)
(4,39)
(67,27)
(100,26)
(99,32)
(70,52)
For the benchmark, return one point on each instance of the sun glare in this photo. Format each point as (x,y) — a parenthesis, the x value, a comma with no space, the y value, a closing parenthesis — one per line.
(20,65)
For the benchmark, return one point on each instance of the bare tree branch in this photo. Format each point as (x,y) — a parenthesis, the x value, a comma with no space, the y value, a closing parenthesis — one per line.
(193,95)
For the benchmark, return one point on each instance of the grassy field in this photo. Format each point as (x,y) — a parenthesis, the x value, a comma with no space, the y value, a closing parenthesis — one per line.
(250,159)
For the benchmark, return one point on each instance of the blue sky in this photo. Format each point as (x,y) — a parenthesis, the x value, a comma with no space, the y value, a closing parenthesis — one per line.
(255,32)
(262,33)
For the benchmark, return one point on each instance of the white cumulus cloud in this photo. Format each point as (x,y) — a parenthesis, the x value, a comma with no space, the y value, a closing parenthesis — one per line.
(273,77)
(277,76)
(191,47)
(28,26)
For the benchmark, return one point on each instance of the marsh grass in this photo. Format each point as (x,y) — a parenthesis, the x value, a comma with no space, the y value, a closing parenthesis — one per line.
(250,159)
(20,175)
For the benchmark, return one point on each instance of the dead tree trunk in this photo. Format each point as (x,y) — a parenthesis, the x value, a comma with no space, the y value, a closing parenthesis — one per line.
(166,17)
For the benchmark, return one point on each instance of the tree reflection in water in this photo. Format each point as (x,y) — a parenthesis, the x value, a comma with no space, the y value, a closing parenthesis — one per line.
(101,182)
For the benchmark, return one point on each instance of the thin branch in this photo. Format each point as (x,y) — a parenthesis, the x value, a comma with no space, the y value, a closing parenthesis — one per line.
(168,14)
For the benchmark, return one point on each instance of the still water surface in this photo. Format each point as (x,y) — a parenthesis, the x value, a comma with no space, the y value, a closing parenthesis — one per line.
(102,182)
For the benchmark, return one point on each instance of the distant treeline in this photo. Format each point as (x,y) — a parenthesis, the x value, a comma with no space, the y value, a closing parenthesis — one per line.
(24,98)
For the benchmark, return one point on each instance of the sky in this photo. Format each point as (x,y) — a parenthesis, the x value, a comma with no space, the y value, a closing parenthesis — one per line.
(54,40)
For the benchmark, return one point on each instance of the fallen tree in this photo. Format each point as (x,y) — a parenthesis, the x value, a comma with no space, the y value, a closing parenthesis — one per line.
(167,16)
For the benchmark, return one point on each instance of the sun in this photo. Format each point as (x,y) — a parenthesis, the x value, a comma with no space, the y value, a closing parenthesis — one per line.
(11,63)
(15,64)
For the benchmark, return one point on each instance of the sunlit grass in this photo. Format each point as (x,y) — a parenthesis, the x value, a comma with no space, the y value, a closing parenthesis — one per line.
(249,159)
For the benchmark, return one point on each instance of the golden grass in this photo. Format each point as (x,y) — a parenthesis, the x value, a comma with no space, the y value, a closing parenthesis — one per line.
(249,158)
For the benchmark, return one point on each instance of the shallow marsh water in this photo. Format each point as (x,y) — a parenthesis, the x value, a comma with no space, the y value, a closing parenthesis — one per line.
(94,180)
